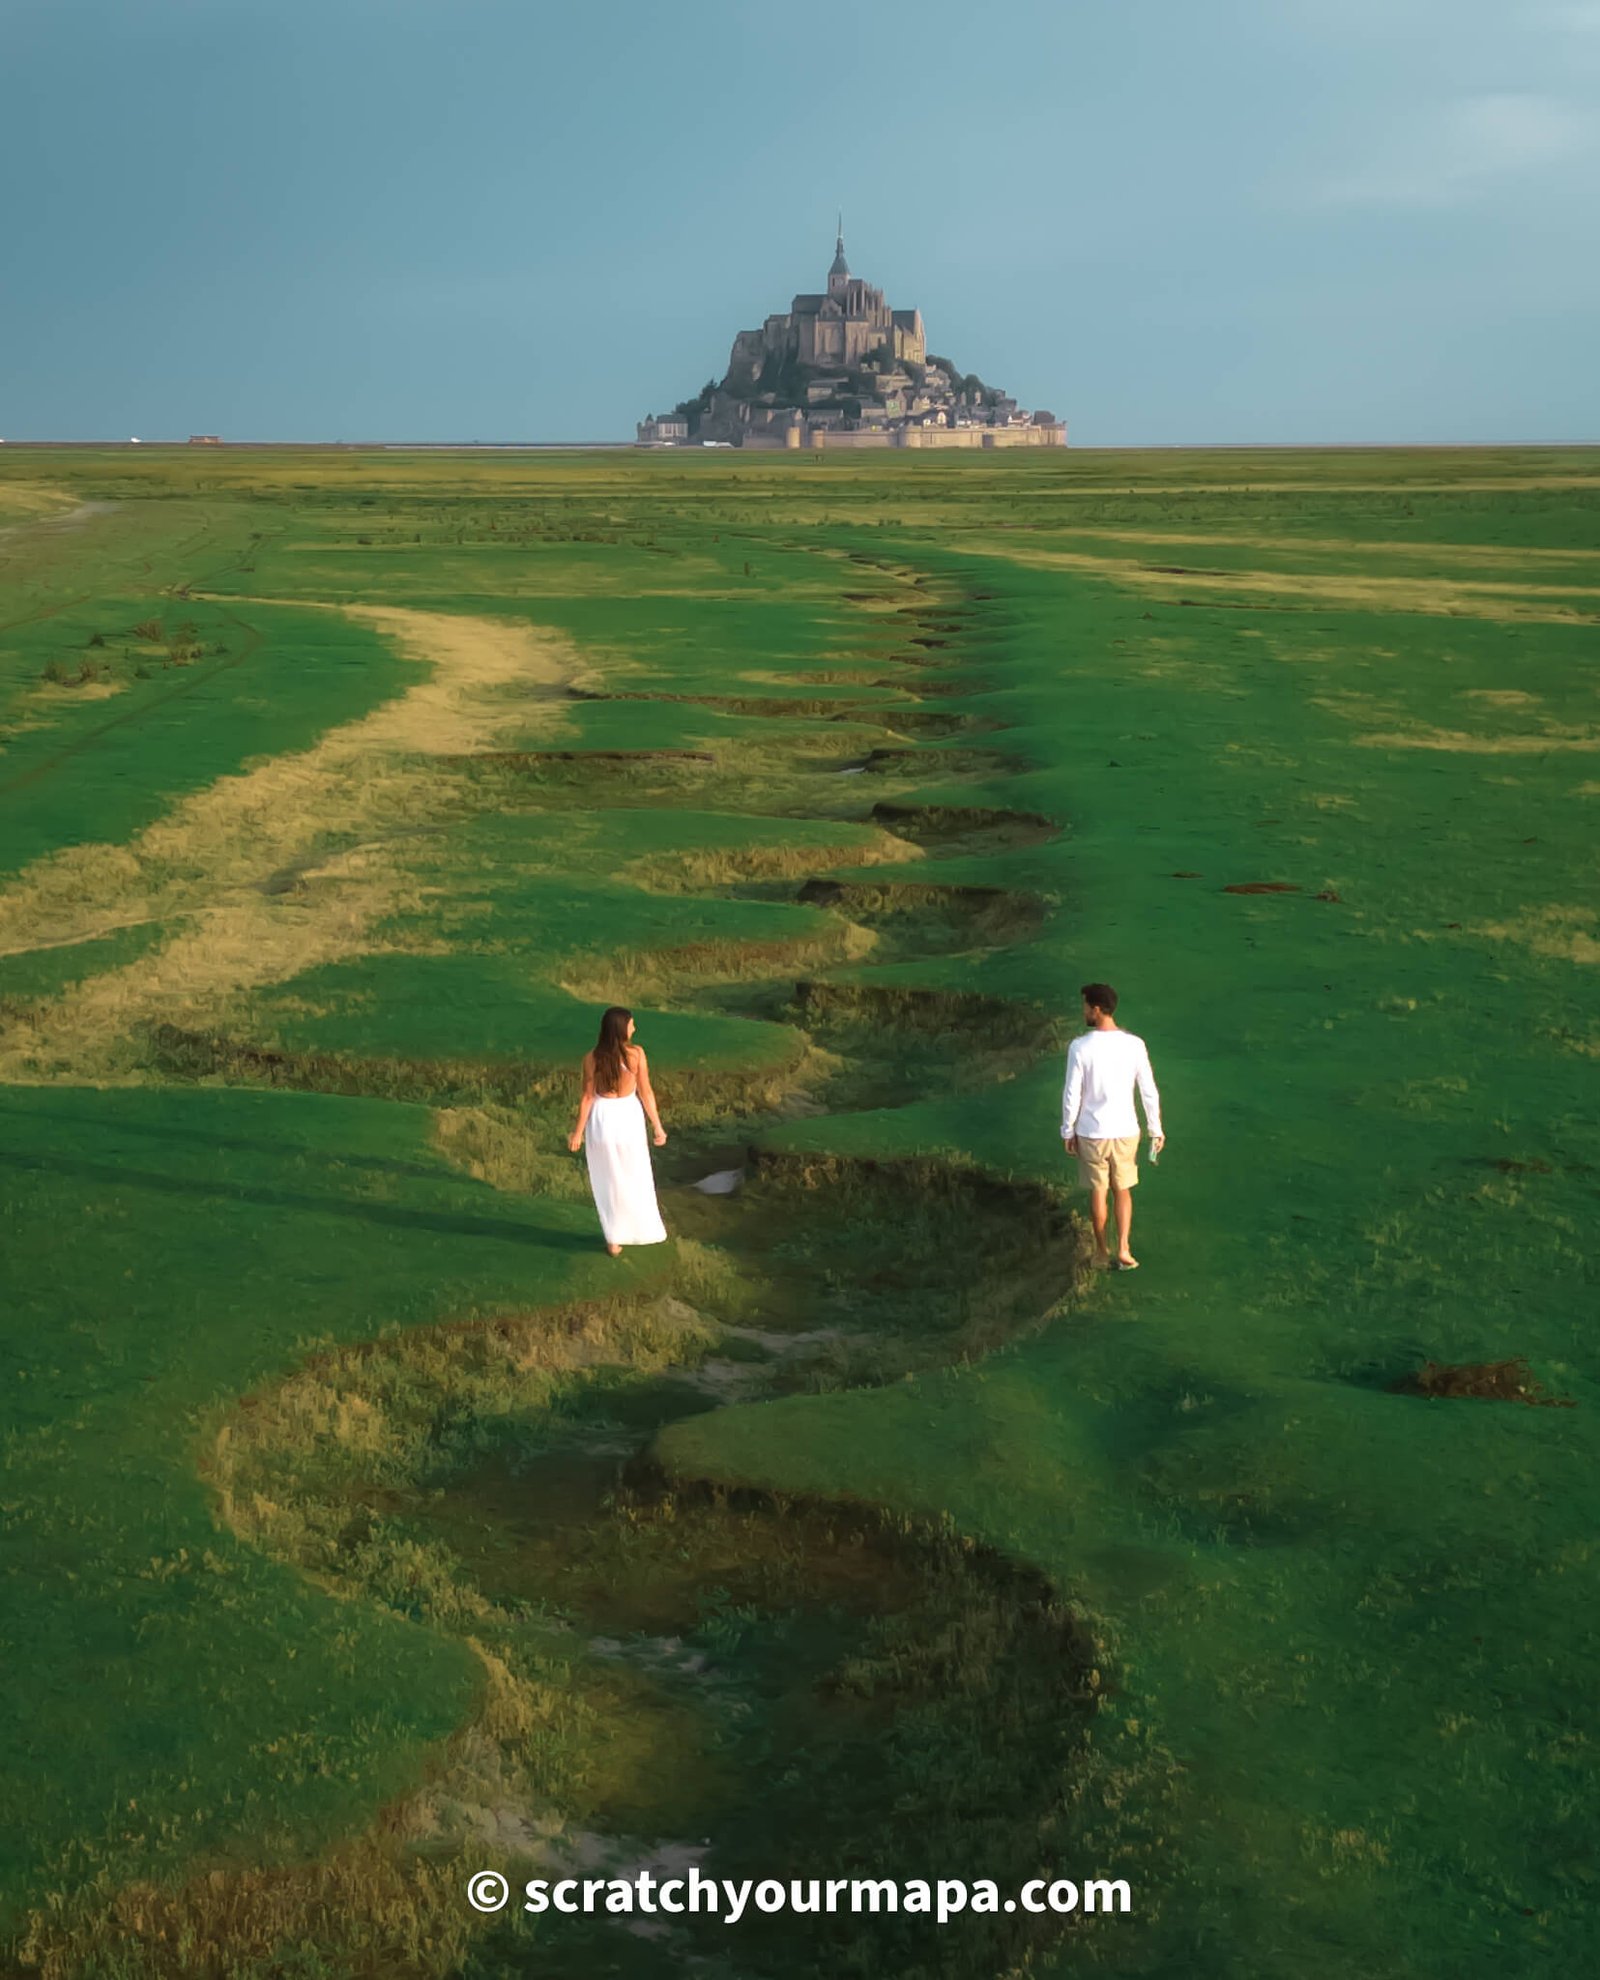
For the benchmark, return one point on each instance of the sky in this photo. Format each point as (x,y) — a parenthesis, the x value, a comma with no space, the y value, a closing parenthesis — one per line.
(1170,222)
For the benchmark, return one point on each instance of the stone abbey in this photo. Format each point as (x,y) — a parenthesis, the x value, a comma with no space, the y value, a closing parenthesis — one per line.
(843,369)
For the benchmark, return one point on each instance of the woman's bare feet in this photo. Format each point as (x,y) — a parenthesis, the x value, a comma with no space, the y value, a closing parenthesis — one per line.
(1124,1262)
(615,1250)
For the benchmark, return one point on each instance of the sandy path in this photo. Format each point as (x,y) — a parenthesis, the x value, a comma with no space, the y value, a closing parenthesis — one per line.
(27,504)
(207,863)
(1449,597)
(1476,554)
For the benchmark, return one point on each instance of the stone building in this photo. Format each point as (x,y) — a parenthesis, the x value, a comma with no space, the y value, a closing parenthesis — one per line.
(841,368)
(845,326)
(665,430)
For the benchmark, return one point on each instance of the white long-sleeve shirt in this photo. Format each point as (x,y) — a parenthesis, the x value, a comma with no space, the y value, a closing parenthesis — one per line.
(1103,1067)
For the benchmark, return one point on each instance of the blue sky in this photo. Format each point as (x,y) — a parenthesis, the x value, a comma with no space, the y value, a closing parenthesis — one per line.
(1169,221)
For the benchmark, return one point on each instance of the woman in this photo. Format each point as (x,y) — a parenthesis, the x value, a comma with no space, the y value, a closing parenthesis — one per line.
(616,1102)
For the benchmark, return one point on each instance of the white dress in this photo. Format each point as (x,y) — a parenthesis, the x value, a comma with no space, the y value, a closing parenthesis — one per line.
(624,1185)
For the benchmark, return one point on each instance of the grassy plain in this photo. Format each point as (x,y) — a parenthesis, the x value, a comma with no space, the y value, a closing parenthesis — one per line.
(370,1526)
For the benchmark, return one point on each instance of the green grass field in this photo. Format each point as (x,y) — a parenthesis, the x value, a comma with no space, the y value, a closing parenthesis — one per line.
(369,1526)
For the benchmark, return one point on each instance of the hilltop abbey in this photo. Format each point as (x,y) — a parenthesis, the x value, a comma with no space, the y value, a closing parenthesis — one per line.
(843,369)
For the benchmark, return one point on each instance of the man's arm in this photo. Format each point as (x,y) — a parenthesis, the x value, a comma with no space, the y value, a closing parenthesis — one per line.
(1150,1097)
(1071,1096)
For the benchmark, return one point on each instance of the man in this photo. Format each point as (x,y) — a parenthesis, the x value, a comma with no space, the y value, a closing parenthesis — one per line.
(1098,1122)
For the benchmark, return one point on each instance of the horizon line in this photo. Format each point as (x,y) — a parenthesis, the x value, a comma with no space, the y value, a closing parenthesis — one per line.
(693,448)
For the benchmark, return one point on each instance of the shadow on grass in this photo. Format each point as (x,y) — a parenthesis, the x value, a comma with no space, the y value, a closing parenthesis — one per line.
(129,1177)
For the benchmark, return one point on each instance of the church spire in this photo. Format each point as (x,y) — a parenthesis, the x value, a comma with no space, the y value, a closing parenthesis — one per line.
(839,273)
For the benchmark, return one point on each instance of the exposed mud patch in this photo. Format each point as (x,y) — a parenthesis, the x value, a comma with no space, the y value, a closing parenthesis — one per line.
(944,762)
(953,1261)
(934,724)
(965,827)
(948,1040)
(930,919)
(701,1094)
(781,707)
(983,915)
(950,686)
(731,866)
(676,1661)
(535,759)
(1480,1381)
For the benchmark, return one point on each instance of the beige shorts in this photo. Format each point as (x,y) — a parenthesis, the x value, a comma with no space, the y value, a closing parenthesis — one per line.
(1113,1163)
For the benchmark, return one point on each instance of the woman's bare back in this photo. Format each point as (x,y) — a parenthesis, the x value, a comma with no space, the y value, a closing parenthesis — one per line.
(629,1082)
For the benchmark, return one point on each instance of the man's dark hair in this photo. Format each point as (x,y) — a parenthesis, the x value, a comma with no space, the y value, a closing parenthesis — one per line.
(1101,995)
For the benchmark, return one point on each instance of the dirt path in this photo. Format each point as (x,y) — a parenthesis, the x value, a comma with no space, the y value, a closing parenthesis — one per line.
(206,866)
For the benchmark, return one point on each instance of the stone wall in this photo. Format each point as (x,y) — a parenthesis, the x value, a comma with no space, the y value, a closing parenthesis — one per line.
(1024,436)
(946,436)
(830,441)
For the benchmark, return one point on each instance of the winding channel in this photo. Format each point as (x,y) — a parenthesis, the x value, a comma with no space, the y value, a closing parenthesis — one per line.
(761,1687)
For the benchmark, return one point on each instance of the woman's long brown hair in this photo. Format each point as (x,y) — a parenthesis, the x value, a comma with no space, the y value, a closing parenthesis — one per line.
(610,1057)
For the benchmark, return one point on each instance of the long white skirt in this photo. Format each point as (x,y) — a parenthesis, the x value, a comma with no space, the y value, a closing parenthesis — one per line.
(620,1175)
